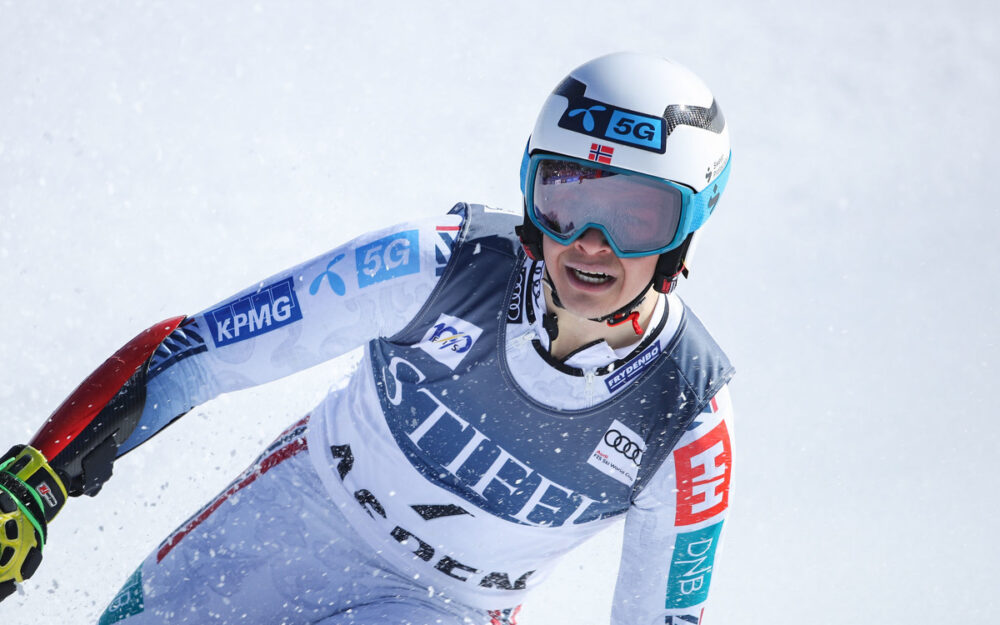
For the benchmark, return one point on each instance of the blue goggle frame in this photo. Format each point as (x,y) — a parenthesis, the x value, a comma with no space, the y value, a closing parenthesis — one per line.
(695,207)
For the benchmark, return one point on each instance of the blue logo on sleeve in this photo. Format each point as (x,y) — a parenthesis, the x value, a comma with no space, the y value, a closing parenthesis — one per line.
(387,258)
(336,283)
(632,370)
(270,308)
(691,567)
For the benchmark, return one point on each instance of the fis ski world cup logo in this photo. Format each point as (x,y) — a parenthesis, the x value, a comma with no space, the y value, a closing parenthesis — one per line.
(449,340)
(619,453)
(269,308)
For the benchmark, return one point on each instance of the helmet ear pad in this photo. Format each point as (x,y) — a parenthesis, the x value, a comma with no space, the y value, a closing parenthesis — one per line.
(670,266)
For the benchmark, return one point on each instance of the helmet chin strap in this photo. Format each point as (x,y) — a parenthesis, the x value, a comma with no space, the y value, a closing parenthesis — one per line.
(627,312)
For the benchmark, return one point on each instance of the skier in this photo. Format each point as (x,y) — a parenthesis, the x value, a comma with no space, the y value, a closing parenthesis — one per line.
(529,379)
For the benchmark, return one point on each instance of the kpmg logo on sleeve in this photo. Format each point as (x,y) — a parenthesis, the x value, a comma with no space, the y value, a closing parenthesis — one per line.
(633,369)
(270,308)
(387,258)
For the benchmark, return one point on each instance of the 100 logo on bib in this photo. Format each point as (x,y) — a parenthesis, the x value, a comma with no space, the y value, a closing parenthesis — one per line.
(449,340)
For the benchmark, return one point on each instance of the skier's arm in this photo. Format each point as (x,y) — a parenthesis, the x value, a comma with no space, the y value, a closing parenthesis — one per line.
(294,320)
(291,321)
(674,528)
(298,318)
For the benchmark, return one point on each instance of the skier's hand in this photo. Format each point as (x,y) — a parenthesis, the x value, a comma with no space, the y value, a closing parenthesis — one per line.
(30,496)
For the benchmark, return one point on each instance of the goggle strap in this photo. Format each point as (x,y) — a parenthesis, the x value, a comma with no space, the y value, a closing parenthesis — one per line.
(703,203)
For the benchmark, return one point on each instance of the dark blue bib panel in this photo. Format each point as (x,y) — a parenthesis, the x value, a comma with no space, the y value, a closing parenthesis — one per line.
(450,400)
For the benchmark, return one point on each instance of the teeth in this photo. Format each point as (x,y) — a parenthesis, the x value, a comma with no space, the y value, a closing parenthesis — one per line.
(591,278)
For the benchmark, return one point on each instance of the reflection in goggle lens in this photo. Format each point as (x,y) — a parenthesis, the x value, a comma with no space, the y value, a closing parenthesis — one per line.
(640,214)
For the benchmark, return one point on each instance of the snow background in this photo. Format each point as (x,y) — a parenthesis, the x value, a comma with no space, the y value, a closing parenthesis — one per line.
(157,157)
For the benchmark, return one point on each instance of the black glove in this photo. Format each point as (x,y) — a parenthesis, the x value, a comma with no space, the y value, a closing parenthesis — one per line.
(31,494)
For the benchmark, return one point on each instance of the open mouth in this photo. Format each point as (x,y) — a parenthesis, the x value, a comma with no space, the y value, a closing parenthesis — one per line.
(589,277)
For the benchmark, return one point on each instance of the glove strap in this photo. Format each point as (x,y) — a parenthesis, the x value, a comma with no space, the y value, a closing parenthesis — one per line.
(27,465)
(25,500)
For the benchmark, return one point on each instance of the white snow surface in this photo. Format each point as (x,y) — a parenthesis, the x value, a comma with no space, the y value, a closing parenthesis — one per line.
(156,157)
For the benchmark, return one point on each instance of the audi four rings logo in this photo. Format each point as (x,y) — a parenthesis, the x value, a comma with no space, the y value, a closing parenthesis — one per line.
(624,445)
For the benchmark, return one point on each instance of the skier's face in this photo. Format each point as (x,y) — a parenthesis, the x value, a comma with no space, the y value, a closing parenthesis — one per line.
(590,279)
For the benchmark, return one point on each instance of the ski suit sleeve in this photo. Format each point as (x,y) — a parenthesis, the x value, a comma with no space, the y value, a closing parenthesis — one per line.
(293,320)
(674,527)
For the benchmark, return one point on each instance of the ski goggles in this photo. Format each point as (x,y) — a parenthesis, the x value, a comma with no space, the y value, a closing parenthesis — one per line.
(639,215)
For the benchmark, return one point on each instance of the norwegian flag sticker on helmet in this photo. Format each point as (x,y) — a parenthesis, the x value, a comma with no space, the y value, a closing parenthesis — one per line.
(601,153)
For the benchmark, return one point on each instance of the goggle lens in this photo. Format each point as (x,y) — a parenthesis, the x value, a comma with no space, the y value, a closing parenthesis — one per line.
(639,214)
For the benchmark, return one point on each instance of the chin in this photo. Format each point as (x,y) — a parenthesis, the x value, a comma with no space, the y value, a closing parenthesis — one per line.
(589,308)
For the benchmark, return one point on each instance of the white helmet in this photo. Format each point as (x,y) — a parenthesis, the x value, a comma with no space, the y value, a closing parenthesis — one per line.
(633,113)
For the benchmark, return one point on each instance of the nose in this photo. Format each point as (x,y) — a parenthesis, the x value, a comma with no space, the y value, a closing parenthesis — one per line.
(592,241)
